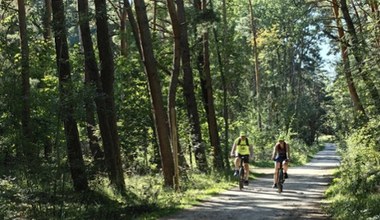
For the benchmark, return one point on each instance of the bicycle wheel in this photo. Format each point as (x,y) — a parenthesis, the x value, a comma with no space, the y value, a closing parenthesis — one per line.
(280,180)
(241,178)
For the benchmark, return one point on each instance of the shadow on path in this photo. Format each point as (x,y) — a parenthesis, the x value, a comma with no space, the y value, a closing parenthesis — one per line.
(301,199)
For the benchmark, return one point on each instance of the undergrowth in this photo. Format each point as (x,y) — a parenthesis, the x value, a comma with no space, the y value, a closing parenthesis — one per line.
(355,192)
(48,194)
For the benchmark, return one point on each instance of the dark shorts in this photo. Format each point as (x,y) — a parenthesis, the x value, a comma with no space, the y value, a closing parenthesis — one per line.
(245,157)
(280,159)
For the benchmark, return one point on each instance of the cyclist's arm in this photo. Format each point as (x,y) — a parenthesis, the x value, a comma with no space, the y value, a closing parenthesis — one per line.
(233,150)
(251,153)
(288,151)
(274,151)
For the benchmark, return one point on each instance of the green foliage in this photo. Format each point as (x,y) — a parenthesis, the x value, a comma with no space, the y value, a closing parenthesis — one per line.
(355,194)
(293,100)
(53,198)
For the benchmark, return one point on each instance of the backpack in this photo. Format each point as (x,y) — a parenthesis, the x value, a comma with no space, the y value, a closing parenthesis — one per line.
(245,141)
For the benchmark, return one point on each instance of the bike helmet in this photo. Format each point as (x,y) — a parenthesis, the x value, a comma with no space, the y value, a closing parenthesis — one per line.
(281,138)
(242,133)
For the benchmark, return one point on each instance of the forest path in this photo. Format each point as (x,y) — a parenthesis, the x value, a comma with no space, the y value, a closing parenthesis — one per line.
(301,199)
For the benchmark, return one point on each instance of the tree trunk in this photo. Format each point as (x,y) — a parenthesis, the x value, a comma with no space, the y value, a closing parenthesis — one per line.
(173,88)
(46,20)
(91,79)
(223,63)
(28,150)
(133,23)
(134,26)
(123,31)
(346,62)
(225,153)
(257,73)
(188,90)
(160,118)
(207,92)
(107,80)
(74,151)
(357,52)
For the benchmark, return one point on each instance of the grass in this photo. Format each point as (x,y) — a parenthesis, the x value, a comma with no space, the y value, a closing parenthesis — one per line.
(53,198)
(146,198)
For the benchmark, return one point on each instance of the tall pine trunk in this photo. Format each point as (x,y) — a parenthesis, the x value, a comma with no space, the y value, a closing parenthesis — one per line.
(46,20)
(357,51)
(346,62)
(173,88)
(160,117)
(91,79)
(74,151)
(112,149)
(207,92)
(27,150)
(257,73)
(224,63)
(188,90)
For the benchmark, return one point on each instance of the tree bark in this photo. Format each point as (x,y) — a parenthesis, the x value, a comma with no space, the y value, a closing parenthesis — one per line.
(46,21)
(357,52)
(173,89)
(257,73)
(133,23)
(123,30)
(107,80)
(74,151)
(160,118)
(223,63)
(346,62)
(28,150)
(207,92)
(188,90)
(91,81)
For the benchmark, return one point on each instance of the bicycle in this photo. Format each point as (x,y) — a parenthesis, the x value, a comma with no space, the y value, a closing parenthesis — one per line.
(280,178)
(241,172)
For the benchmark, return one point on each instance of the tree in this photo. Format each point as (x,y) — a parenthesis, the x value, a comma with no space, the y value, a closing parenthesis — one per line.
(92,81)
(358,54)
(189,94)
(74,151)
(256,59)
(207,91)
(346,62)
(107,80)
(160,118)
(25,69)
(172,115)
(223,63)
(46,20)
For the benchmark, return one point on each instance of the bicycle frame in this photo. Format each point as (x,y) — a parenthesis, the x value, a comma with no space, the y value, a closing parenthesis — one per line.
(280,178)
(241,172)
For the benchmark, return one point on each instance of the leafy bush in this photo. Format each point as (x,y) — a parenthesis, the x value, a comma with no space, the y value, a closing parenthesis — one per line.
(356,193)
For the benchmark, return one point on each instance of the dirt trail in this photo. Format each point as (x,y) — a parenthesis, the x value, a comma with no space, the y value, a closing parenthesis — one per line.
(301,199)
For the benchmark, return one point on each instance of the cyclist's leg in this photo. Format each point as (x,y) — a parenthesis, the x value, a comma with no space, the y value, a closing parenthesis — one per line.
(285,167)
(237,163)
(276,167)
(246,169)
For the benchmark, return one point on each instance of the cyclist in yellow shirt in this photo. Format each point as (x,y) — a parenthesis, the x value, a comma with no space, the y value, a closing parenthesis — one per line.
(240,148)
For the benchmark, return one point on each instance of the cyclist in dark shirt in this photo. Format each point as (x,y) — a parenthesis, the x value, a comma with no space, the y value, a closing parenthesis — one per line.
(281,154)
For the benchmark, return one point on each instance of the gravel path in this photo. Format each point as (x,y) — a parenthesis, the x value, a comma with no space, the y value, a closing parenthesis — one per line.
(301,198)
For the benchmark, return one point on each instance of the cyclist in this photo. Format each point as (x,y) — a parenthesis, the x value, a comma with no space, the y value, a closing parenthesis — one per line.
(281,154)
(241,148)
